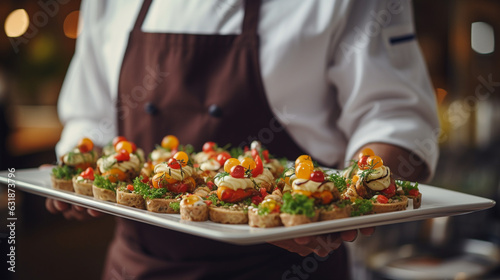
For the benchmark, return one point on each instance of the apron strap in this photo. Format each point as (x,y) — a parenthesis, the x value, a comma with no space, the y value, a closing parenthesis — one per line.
(142,14)
(250,20)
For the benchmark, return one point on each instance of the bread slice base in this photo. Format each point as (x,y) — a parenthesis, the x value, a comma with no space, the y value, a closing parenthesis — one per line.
(390,207)
(335,213)
(195,213)
(62,184)
(227,216)
(103,194)
(290,220)
(82,187)
(263,221)
(161,205)
(130,199)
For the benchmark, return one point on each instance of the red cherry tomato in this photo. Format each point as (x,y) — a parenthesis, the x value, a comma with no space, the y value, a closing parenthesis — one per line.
(259,167)
(362,162)
(237,171)
(178,187)
(263,192)
(209,147)
(317,176)
(173,163)
(145,179)
(389,191)
(88,174)
(265,153)
(118,139)
(122,155)
(222,157)
(382,199)
(232,196)
(413,192)
(257,199)
(255,153)
(134,147)
(130,188)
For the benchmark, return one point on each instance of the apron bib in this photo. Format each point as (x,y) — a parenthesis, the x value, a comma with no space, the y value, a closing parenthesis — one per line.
(199,88)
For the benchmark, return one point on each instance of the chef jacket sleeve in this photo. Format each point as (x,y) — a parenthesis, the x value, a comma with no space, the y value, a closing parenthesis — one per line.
(382,84)
(86,107)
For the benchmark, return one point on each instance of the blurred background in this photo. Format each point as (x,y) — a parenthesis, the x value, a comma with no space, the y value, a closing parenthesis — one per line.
(459,41)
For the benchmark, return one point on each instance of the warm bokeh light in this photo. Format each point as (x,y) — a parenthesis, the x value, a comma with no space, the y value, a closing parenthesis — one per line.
(16,23)
(70,26)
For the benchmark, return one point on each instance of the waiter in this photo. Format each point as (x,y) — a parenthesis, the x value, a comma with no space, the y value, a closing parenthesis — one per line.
(326,78)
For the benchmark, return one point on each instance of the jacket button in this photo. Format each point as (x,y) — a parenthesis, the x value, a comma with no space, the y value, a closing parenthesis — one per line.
(215,111)
(150,108)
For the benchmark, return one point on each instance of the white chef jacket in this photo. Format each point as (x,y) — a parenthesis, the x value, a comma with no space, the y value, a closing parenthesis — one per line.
(337,74)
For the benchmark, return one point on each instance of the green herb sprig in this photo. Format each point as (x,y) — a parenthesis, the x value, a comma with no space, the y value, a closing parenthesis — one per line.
(298,204)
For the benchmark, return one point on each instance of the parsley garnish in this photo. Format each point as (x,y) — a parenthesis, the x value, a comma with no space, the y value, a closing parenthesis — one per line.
(338,181)
(361,207)
(407,185)
(175,205)
(298,204)
(64,172)
(103,183)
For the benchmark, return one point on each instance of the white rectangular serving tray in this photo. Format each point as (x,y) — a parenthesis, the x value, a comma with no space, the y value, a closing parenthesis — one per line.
(436,202)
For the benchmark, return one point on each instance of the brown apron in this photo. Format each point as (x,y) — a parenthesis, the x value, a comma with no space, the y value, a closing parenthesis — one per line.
(200,88)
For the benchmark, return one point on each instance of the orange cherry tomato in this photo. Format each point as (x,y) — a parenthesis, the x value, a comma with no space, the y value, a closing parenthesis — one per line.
(182,158)
(375,161)
(230,163)
(303,170)
(325,197)
(355,179)
(366,152)
(124,145)
(303,158)
(170,142)
(248,163)
(85,145)
(161,180)
(115,175)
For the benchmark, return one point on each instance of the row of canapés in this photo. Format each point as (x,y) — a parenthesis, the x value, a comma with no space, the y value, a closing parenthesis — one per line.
(231,186)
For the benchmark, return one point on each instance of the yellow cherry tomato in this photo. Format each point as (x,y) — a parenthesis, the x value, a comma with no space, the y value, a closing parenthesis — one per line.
(366,152)
(248,163)
(269,204)
(170,142)
(230,163)
(302,158)
(303,170)
(124,145)
(182,158)
(375,161)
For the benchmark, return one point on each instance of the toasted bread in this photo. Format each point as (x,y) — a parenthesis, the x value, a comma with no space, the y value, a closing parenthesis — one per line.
(130,199)
(195,213)
(227,216)
(82,187)
(290,220)
(161,205)
(391,206)
(103,194)
(263,221)
(62,184)
(335,213)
